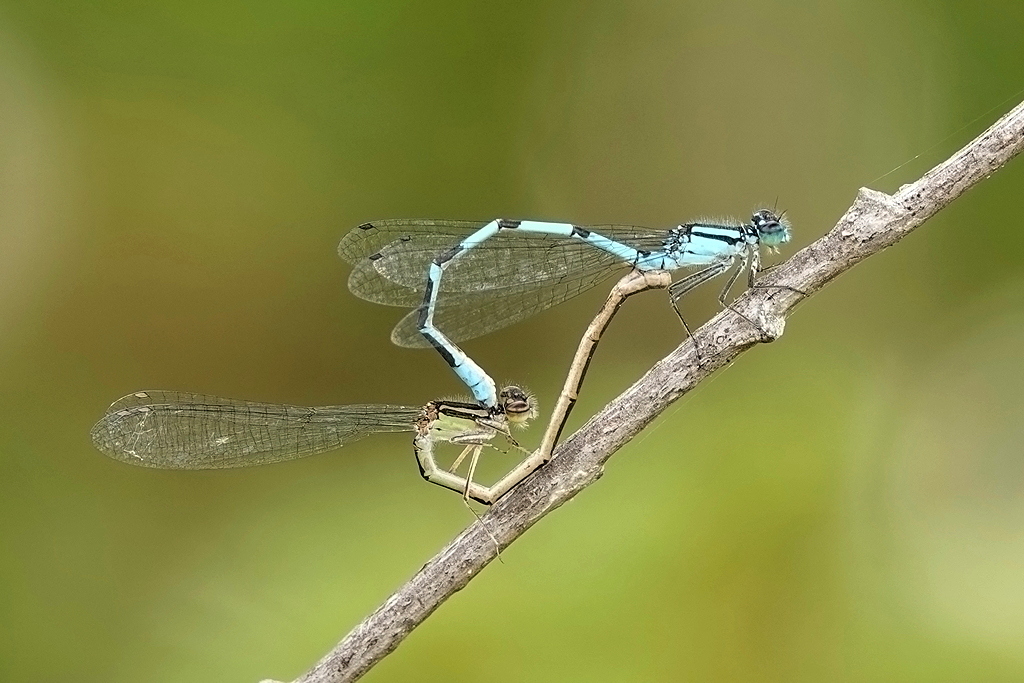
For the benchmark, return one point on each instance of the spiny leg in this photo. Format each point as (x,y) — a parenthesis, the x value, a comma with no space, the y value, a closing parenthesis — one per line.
(458,460)
(501,427)
(511,442)
(467,449)
(488,499)
(747,261)
(681,287)
(754,268)
(483,524)
(744,262)
(752,280)
(472,470)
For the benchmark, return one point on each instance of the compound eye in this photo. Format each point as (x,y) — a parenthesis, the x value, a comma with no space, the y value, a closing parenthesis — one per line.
(513,394)
(765,219)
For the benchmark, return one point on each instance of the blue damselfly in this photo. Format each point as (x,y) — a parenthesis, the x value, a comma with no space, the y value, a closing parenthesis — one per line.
(469,280)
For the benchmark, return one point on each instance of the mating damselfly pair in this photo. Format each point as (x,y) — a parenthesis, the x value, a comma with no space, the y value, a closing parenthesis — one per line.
(463,279)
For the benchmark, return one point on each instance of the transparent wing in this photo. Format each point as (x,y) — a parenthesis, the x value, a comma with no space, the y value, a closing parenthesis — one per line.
(394,272)
(501,266)
(466,315)
(177,430)
(369,238)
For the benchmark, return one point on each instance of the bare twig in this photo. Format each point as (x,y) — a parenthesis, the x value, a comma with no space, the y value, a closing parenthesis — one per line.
(874,221)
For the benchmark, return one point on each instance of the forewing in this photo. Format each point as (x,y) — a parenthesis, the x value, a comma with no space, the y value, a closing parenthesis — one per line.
(369,238)
(397,273)
(505,279)
(178,430)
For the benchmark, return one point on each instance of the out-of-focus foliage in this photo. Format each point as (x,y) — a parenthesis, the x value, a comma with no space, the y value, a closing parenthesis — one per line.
(846,504)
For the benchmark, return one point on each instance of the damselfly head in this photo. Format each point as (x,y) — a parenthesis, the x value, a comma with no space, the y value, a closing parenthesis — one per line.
(520,406)
(772,229)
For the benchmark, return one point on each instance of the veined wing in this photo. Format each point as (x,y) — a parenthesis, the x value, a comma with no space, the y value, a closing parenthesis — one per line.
(396,273)
(369,238)
(503,265)
(178,430)
(465,315)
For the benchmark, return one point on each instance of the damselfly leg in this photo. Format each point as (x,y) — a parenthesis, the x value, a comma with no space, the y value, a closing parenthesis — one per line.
(678,289)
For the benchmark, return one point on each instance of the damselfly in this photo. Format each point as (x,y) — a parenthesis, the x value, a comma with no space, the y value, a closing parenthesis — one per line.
(470,280)
(178,430)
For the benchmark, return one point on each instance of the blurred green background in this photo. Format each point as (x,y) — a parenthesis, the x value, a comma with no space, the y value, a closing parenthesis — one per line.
(846,504)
